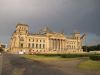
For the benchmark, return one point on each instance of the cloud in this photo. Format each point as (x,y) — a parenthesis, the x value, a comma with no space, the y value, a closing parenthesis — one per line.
(70,15)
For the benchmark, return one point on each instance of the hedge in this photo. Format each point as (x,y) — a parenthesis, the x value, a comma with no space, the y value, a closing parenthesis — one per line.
(64,55)
(95,57)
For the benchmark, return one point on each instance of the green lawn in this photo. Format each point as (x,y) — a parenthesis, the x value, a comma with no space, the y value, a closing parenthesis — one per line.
(90,65)
(86,64)
(41,57)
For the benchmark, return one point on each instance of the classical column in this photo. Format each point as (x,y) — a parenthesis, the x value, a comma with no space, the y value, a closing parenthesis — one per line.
(55,44)
(59,44)
(62,45)
(52,44)
(49,43)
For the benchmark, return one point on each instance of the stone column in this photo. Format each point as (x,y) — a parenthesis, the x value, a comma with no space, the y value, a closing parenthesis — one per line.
(49,44)
(52,44)
(61,45)
(58,44)
(55,44)
(64,46)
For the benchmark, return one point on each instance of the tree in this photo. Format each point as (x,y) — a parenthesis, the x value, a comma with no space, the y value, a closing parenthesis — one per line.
(91,48)
(1,50)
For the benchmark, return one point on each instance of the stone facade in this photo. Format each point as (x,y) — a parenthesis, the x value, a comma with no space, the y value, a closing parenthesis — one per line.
(44,41)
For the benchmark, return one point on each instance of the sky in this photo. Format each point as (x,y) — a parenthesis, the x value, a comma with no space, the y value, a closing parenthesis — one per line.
(67,15)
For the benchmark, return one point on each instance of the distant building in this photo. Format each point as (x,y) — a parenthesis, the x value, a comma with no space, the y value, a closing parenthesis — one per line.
(2,45)
(44,41)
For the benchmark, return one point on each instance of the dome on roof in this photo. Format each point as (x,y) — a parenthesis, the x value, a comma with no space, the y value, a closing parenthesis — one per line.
(45,30)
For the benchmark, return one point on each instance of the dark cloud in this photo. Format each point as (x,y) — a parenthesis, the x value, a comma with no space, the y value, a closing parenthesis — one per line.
(70,15)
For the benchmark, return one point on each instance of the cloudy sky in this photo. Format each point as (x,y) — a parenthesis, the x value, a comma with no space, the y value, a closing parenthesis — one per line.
(69,15)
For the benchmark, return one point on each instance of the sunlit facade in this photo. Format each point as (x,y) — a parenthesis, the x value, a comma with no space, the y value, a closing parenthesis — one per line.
(44,41)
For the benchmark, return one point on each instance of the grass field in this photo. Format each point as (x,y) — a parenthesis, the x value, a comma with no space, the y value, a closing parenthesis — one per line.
(42,57)
(90,65)
(86,63)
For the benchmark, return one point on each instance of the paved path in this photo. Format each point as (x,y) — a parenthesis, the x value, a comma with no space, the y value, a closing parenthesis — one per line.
(0,63)
(16,65)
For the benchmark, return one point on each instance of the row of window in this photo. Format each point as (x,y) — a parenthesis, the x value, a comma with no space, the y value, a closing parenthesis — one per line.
(71,47)
(22,28)
(32,40)
(39,46)
(71,42)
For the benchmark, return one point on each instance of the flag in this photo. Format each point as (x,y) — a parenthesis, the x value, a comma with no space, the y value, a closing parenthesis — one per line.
(82,37)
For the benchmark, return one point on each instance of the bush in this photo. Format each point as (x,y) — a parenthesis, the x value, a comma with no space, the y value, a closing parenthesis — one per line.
(64,55)
(95,57)
(73,55)
(48,55)
(1,50)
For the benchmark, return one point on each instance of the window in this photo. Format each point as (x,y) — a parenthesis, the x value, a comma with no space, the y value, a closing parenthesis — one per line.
(74,47)
(29,45)
(33,45)
(21,45)
(43,45)
(40,40)
(33,40)
(36,45)
(40,45)
(29,40)
(36,40)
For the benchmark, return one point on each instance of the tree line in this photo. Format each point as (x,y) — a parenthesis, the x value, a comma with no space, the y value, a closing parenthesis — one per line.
(91,48)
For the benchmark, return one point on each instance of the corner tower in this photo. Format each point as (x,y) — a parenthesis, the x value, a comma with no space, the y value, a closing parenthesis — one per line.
(18,40)
(77,36)
(22,29)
